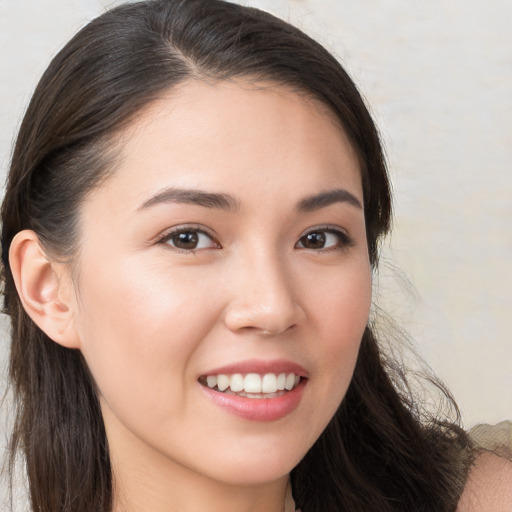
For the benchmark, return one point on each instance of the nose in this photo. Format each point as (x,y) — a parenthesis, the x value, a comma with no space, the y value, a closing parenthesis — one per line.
(265,299)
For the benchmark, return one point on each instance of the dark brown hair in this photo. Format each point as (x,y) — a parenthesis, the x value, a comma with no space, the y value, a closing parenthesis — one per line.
(378,452)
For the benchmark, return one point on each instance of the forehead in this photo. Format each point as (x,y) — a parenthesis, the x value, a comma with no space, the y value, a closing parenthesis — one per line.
(237,134)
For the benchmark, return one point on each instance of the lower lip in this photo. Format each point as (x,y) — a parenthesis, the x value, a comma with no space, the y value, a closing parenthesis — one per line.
(258,409)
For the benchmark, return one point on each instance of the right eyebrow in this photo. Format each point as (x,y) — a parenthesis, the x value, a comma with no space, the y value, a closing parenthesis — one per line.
(191,196)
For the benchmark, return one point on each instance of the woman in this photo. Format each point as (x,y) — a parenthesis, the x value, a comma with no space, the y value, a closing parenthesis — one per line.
(193,213)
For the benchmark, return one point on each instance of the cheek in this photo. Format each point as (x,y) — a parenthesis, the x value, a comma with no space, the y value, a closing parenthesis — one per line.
(341,302)
(139,327)
(341,309)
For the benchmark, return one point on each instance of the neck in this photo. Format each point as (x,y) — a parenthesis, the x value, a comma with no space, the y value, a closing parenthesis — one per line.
(148,480)
(184,491)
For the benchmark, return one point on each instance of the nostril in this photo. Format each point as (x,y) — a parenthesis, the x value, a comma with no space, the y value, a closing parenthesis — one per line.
(268,319)
(267,332)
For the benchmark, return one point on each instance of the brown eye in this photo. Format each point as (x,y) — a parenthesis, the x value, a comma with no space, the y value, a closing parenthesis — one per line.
(189,240)
(314,240)
(324,239)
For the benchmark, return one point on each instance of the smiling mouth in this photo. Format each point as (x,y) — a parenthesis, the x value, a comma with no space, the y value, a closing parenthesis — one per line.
(252,385)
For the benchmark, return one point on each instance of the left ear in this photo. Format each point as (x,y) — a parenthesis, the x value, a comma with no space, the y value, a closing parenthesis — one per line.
(45,289)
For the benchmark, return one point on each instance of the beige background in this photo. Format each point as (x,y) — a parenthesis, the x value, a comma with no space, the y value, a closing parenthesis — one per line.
(438,77)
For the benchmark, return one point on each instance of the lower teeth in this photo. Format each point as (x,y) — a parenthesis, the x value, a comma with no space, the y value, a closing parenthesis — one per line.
(253,395)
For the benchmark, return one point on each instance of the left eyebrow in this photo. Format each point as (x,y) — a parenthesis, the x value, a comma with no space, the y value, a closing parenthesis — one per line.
(324,199)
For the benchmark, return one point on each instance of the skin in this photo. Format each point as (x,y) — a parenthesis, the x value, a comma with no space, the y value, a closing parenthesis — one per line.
(150,319)
(489,486)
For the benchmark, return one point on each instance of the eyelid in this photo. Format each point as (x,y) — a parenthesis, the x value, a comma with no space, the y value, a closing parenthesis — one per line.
(164,237)
(346,240)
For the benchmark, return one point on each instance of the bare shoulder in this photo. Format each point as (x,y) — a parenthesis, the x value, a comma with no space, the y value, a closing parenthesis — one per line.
(489,486)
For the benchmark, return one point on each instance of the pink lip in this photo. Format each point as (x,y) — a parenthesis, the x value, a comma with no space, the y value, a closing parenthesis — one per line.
(258,409)
(259,366)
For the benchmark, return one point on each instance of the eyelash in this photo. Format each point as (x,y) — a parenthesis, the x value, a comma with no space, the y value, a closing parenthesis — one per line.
(166,238)
(344,241)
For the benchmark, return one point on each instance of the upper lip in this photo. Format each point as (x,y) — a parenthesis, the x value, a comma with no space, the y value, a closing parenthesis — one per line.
(259,366)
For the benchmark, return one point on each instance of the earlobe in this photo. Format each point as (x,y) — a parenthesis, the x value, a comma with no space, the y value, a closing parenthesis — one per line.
(43,288)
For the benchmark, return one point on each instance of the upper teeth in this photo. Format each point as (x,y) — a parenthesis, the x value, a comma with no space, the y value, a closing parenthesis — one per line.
(253,382)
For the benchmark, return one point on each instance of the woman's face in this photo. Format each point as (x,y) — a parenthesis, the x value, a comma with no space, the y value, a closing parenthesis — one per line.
(229,242)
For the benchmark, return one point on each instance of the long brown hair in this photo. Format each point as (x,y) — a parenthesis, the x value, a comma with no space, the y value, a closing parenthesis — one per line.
(378,452)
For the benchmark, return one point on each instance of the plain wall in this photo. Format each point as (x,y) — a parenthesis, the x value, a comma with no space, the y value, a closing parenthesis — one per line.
(438,78)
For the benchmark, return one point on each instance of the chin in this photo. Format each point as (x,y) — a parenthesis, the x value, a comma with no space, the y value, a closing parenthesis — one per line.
(262,464)
(251,474)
